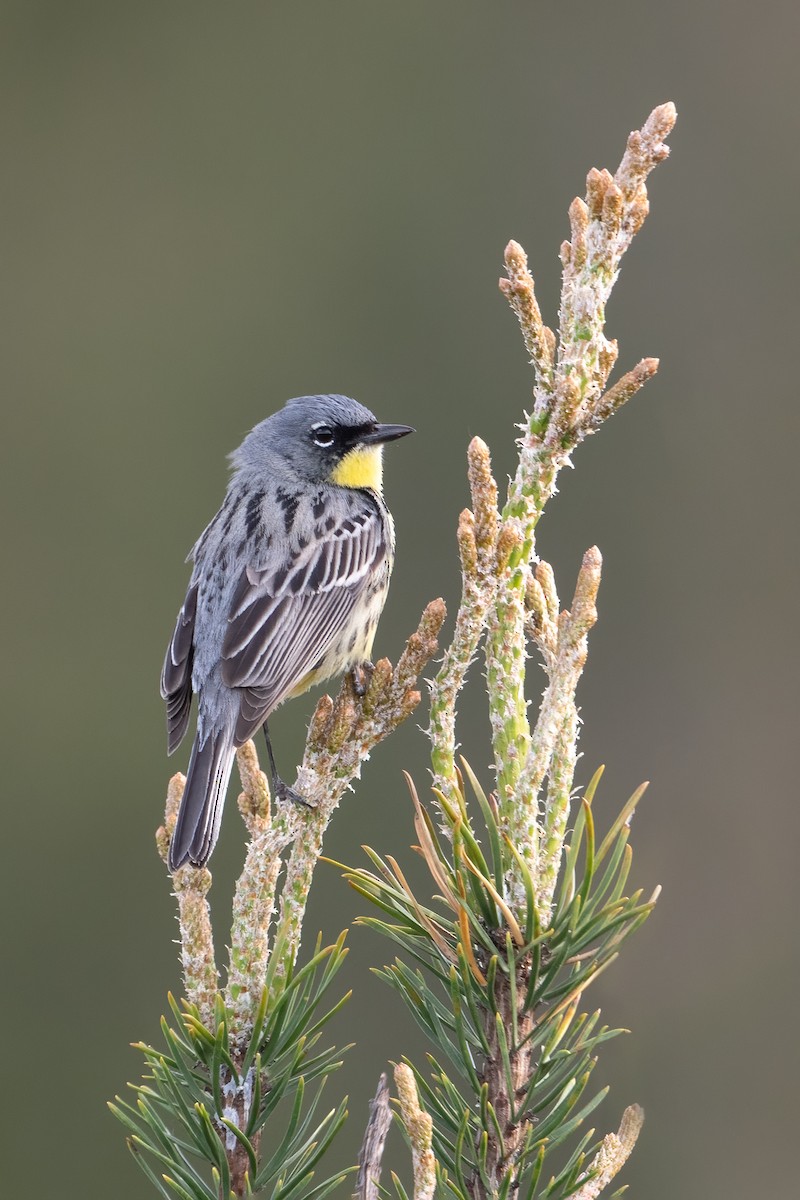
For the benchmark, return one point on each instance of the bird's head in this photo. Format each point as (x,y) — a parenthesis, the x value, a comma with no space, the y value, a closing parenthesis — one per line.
(322,439)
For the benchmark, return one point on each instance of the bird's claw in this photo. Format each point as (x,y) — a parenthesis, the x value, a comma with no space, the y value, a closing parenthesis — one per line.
(286,794)
(360,677)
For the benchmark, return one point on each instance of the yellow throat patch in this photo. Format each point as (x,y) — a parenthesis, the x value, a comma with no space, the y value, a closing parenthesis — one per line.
(361,467)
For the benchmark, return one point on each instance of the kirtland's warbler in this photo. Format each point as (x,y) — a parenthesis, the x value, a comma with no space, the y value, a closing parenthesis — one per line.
(288,584)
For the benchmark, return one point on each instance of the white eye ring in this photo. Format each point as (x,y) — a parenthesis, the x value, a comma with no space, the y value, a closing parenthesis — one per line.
(322,434)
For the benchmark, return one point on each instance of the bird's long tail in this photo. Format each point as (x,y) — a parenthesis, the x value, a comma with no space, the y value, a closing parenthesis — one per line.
(197,826)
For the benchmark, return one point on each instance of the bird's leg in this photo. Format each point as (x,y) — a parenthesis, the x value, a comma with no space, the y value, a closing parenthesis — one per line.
(280,789)
(360,677)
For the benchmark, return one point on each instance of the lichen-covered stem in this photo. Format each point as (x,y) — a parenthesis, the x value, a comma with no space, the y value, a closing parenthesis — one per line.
(507,651)
(476,595)
(533,484)
(560,781)
(477,538)
(506,654)
(194,915)
(419,1128)
(614,1152)
(302,860)
(553,745)
(254,896)
(370,1158)
(570,375)
(341,736)
(200,973)
(571,653)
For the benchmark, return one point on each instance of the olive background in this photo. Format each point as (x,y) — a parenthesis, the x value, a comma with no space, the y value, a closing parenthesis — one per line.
(209,208)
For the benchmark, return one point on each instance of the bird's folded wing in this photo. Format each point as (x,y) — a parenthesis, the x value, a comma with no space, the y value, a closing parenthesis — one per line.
(176,676)
(285,617)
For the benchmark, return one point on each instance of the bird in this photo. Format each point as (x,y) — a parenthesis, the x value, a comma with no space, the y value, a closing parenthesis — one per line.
(288,584)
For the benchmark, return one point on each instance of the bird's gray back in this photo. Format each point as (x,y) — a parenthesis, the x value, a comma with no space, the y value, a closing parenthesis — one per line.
(263,527)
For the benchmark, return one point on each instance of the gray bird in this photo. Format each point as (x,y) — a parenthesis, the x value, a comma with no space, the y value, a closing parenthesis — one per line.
(288,584)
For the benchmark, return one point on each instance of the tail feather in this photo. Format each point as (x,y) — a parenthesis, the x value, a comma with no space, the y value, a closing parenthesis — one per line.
(197,826)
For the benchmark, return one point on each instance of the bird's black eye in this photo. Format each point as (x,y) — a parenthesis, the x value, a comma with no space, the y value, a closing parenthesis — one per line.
(322,434)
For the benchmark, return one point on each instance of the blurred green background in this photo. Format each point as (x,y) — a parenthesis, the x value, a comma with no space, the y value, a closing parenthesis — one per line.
(208,208)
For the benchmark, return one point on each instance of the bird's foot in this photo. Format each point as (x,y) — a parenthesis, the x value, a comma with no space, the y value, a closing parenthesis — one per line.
(360,677)
(284,793)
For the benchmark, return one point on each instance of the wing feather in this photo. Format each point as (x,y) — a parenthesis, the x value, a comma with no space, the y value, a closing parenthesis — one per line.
(285,619)
(176,675)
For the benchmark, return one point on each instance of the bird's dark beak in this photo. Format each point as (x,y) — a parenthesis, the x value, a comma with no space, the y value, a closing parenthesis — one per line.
(385,433)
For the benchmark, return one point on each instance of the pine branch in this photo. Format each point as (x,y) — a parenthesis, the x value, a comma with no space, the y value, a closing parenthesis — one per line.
(495,967)
(419,1131)
(236,1056)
